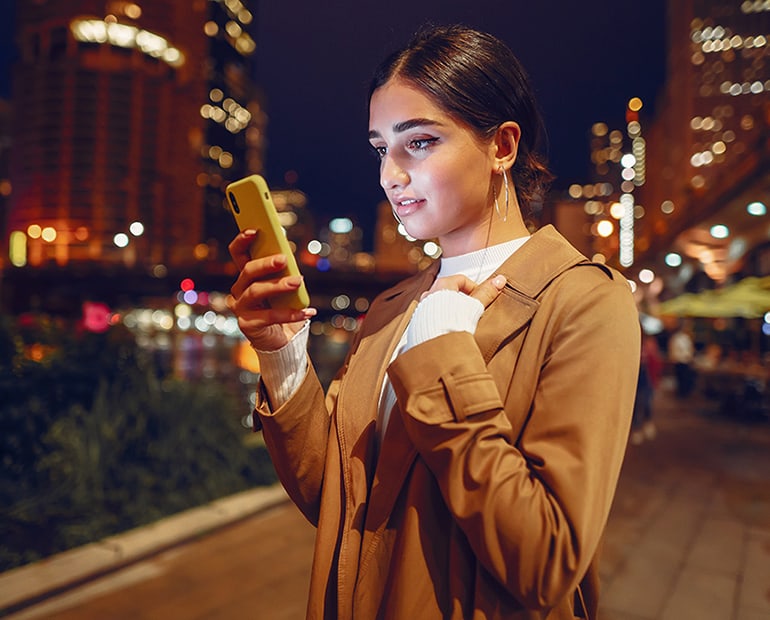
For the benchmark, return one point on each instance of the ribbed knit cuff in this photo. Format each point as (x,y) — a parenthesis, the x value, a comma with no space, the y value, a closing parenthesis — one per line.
(283,370)
(443,312)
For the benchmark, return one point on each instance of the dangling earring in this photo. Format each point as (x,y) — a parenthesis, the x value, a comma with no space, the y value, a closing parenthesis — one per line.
(507,197)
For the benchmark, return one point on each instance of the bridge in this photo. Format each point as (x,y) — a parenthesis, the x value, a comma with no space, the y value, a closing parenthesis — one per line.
(62,290)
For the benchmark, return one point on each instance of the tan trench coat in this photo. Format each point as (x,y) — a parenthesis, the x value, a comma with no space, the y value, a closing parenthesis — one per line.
(489,493)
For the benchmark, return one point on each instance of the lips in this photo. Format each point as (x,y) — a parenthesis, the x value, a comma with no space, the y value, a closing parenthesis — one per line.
(407,206)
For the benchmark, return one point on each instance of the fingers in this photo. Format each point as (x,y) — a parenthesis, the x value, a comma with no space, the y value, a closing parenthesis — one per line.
(456,282)
(253,308)
(266,328)
(253,321)
(251,294)
(262,270)
(240,245)
(487,291)
(259,280)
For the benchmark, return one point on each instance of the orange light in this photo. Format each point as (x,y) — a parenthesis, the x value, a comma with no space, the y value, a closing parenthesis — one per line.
(246,357)
(201,251)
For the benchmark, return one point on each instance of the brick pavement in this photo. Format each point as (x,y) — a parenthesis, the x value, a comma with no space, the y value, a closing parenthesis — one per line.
(689,533)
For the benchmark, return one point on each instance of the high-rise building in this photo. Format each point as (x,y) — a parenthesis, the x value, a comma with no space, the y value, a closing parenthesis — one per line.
(235,121)
(128,118)
(708,155)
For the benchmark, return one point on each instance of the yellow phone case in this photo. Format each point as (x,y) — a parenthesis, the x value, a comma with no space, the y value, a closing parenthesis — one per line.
(252,207)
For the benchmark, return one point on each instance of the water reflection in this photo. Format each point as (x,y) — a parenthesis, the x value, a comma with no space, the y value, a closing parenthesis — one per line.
(209,346)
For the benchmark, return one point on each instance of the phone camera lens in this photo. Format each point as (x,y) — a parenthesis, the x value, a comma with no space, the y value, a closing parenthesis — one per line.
(234,202)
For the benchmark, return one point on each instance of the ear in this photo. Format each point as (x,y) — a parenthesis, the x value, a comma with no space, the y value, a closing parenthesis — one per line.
(506,144)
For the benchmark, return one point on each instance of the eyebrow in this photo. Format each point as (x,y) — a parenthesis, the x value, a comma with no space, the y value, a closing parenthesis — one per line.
(406,126)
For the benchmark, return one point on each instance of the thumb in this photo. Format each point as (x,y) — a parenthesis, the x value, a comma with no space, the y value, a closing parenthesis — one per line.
(487,291)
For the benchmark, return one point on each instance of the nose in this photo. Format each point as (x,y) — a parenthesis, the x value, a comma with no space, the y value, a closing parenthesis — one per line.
(392,175)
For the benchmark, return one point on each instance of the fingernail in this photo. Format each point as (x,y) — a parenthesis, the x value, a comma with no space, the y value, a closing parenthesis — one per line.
(294,281)
(499,281)
(250,232)
(309,312)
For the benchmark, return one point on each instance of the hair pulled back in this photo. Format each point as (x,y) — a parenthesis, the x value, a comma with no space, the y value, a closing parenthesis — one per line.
(476,79)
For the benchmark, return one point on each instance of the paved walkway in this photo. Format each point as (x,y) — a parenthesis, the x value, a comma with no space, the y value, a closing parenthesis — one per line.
(689,534)
(258,567)
(688,539)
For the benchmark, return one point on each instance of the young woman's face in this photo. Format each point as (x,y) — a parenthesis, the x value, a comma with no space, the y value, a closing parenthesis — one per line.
(435,172)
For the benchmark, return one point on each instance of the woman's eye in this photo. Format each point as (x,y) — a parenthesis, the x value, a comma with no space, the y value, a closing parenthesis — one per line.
(379,151)
(420,144)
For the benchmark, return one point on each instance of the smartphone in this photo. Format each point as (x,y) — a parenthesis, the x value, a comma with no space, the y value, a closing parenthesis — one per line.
(252,207)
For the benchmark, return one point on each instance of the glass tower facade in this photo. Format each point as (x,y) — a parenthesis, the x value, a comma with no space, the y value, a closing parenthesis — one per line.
(114,160)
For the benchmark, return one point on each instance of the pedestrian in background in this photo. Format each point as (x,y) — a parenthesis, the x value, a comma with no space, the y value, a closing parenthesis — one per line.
(681,353)
(650,370)
(463,463)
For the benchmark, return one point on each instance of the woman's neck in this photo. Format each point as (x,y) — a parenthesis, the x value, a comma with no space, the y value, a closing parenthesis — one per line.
(487,233)
(480,264)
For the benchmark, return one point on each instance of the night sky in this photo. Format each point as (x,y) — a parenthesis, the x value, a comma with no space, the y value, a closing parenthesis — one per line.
(586,59)
(314,60)
(6,46)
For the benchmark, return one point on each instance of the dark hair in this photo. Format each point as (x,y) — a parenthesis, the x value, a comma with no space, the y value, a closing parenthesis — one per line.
(476,79)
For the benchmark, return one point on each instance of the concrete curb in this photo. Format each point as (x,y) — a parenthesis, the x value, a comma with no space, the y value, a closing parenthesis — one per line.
(33,583)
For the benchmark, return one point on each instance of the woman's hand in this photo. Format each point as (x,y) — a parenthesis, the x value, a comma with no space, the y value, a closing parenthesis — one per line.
(268,329)
(486,292)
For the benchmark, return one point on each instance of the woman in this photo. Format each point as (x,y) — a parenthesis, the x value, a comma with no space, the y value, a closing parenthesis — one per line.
(463,463)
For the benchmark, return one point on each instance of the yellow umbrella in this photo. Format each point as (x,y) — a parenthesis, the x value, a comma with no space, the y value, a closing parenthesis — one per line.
(749,298)
(683,305)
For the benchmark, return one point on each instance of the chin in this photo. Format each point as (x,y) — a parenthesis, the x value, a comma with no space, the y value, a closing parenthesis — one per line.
(419,236)
(419,231)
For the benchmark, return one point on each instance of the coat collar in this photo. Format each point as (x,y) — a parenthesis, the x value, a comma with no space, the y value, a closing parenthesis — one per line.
(528,272)
(536,263)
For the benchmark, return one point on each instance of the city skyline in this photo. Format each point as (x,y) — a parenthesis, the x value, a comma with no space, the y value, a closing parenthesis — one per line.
(302,131)
(590,62)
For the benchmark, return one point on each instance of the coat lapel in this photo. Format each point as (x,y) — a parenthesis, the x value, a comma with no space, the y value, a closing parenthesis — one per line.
(362,385)
(383,328)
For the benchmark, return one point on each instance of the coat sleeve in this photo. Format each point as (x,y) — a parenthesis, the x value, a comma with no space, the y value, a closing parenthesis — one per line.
(296,436)
(533,504)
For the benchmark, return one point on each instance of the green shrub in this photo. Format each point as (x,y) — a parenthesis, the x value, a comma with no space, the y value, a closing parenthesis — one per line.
(93,443)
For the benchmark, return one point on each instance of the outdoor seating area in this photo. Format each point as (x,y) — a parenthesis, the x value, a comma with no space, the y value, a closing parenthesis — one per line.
(739,389)
(733,360)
